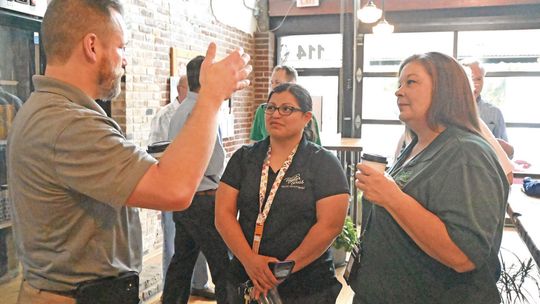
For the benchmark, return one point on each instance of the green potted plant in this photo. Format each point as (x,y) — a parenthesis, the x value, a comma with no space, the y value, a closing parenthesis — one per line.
(344,242)
(516,277)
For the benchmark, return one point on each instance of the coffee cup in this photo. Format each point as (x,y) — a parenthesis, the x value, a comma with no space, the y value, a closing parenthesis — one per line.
(375,161)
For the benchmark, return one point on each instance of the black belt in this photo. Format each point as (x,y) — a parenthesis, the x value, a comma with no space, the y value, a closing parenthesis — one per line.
(210,192)
(129,277)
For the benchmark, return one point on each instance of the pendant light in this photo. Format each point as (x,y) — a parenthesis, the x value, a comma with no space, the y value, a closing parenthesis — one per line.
(369,13)
(383,27)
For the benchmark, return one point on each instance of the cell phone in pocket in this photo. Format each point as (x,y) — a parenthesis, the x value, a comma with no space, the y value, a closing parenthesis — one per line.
(281,270)
(123,289)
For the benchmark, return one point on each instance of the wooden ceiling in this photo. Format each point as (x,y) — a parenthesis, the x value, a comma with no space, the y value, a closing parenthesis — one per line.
(280,7)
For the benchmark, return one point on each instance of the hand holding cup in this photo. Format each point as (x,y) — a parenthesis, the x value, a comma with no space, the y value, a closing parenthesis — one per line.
(371,179)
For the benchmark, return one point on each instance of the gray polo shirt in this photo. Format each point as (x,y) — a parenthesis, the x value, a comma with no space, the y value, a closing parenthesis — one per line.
(215,167)
(71,171)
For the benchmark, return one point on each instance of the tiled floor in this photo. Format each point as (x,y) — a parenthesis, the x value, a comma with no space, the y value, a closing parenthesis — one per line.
(511,245)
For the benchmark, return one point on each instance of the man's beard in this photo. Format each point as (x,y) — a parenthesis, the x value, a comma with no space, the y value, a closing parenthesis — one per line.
(109,81)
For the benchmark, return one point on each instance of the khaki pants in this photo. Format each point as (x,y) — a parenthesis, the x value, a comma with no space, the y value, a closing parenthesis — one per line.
(31,295)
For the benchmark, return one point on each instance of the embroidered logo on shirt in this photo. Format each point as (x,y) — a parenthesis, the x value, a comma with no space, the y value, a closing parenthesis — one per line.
(403,178)
(294,181)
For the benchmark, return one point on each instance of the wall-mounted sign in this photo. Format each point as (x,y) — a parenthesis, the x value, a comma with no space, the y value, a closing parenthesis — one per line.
(31,7)
(311,51)
(307,3)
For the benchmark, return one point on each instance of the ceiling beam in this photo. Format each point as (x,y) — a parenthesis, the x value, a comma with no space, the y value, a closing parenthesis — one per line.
(281,7)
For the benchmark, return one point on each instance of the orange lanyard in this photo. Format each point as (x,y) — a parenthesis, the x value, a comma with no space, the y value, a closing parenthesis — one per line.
(263,212)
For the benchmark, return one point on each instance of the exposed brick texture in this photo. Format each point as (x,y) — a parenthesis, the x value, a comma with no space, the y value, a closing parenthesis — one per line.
(264,63)
(154,27)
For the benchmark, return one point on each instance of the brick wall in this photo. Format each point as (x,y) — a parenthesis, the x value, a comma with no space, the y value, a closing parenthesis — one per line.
(155,26)
(264,63)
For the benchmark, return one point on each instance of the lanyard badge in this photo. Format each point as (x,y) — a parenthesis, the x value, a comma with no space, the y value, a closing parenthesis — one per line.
(263,212)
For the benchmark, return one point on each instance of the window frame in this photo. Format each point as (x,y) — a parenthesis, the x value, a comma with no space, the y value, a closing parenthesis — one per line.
(451,20)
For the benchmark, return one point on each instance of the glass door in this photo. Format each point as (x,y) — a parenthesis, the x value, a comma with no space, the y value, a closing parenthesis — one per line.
(324,91)
(20,58)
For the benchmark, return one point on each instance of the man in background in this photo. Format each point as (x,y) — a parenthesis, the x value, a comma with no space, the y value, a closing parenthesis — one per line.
(159,127)
(159,131)
(489,113)
(195,229)
(75,179)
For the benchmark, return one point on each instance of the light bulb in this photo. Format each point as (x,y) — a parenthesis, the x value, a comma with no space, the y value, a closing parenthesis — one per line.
(383,28)
(369,13)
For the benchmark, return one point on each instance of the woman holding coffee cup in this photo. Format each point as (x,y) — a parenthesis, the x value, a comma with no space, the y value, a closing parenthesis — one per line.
(434,221)
(292,197)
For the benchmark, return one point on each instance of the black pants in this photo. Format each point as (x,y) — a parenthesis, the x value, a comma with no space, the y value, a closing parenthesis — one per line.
(195,231)
(3,252)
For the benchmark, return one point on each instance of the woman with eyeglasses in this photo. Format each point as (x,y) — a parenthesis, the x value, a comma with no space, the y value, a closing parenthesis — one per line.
(291,197)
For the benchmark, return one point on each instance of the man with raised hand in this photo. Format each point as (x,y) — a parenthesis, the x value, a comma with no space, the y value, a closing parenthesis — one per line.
(73,176)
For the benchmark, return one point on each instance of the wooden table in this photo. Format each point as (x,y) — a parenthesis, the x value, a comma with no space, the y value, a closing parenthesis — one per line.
(344,144)
(348,151)
(524,211)
(535,173)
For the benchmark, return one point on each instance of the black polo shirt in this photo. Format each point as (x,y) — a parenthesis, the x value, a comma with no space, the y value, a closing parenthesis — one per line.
(315,173)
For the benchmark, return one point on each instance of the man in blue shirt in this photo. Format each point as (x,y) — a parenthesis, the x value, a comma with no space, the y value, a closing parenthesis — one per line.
(489,113)
(159,131)
(195,229)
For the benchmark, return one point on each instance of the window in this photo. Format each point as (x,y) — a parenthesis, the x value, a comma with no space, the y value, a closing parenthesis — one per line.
(379,99)
(512,62)
(310,51)
(512,50)
(385,53)
(324,92)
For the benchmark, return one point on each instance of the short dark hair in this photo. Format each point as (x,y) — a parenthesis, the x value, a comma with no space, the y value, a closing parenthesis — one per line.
(452,99)
(291,73)
(193,69)
(301,95)
(67,21)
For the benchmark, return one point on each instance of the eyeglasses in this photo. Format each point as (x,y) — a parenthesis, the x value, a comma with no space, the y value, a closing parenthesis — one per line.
(283,110)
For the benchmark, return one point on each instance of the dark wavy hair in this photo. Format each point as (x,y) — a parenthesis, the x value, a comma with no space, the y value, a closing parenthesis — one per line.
(452,99)
(303,98)
(193,70)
